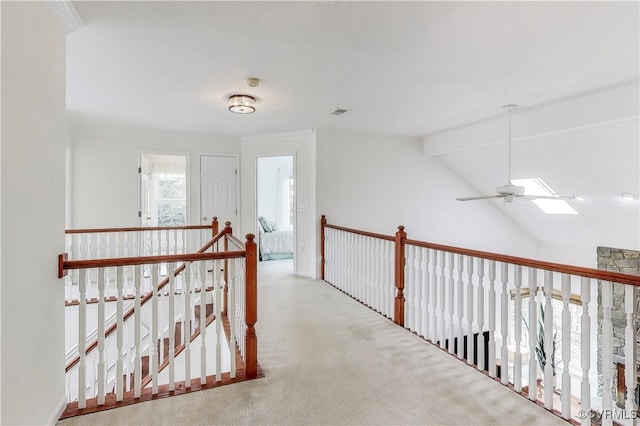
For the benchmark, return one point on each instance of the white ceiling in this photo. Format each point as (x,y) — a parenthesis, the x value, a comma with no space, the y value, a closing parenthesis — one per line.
(408,68)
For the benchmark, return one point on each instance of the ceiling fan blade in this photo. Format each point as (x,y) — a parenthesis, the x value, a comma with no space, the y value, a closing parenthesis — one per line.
(480,197)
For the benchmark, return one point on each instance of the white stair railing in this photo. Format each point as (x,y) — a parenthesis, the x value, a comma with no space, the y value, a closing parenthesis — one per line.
(109,360)
(531,325)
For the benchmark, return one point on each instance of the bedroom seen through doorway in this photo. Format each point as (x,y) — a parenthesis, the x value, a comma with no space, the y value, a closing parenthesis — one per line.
(276,213)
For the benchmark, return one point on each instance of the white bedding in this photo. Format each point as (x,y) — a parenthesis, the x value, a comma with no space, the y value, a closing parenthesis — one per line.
(276,242)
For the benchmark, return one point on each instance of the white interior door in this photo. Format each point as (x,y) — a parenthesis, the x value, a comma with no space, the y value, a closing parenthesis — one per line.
(218,189)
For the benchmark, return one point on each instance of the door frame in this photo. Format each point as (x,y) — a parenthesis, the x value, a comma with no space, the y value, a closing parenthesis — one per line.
(295,200)
(186,155)
(201,154)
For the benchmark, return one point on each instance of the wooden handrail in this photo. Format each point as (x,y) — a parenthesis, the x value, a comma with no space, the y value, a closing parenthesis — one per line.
(235,240)
(64,264)
(598,274)
(359,232)
(149,260)
(581,271)
(134,229)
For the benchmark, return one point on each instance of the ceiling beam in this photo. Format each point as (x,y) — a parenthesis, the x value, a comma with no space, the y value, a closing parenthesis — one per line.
(595,109)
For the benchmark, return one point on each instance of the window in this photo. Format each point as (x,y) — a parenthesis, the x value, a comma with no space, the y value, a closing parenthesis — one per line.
(537,186)
(171,199)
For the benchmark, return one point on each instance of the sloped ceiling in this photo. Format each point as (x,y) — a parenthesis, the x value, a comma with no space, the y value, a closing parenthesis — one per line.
(599,161)
(406,68)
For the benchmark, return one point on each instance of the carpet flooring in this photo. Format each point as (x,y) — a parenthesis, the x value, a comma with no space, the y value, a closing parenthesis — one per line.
(328,360)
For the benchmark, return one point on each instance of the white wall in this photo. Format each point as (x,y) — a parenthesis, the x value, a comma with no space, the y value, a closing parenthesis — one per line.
(377,182)
(303,146)
(105,170)
(269,187)
(34,134)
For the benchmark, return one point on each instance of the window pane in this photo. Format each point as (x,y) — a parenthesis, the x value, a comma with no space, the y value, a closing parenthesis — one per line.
(171,212)
(172,189)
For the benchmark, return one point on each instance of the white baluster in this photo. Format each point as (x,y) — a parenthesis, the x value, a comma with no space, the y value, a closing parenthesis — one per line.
(188,313)
(203,323)
(471,341)
(441,299)
(82,339)
(409,288)
(424,286)
(631,377)
(585,355)
(533,334)
(167,249)
(433,297)
(492,318)
(101,330)
(517,312)
(119,334)
(607,342)
(154,329)
(460,307)
(566,345)
(231,315)
(172,325)
(176,250)
(450,304)
(504,323)
(219,293)
(480,314)
(137,368)
(549,341)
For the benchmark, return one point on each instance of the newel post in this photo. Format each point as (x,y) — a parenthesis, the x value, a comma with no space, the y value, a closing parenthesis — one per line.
(251,307)
(228,231)
(214,226)
(398,315)
(323,223)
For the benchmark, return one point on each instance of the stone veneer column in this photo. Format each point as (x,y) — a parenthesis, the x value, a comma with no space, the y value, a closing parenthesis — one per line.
(627,262)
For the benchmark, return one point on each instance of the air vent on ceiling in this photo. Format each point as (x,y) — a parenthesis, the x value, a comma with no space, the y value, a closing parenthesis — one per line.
(339,111)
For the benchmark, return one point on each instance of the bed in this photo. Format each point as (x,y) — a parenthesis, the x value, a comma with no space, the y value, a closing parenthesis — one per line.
(275,242)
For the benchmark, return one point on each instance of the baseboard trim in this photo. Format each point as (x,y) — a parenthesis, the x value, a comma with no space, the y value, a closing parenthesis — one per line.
(57,413)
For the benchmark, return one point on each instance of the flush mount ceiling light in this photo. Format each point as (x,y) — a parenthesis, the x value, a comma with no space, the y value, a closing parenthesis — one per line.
(628,196)
(242,104)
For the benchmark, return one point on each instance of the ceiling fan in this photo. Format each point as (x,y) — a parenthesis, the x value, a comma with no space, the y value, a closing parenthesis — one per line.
(510,192)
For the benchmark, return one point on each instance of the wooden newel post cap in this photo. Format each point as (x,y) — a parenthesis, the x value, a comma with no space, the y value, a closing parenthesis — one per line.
(323,217)
(215,218)
(250,238)
(400,228)
(227,224)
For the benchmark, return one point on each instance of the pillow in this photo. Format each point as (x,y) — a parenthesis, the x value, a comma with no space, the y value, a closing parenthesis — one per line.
(265,224)
(260,229)
(273,225)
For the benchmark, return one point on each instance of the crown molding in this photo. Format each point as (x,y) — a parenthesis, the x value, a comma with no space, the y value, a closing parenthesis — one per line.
(66,15)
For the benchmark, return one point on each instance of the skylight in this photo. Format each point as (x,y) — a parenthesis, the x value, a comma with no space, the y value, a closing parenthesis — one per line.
(537,186)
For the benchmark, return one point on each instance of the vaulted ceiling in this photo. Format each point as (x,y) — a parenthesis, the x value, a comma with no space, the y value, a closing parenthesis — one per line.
(407,68)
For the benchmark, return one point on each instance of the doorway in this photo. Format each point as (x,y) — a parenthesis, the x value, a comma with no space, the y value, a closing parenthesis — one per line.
(276,213)
(162,190)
